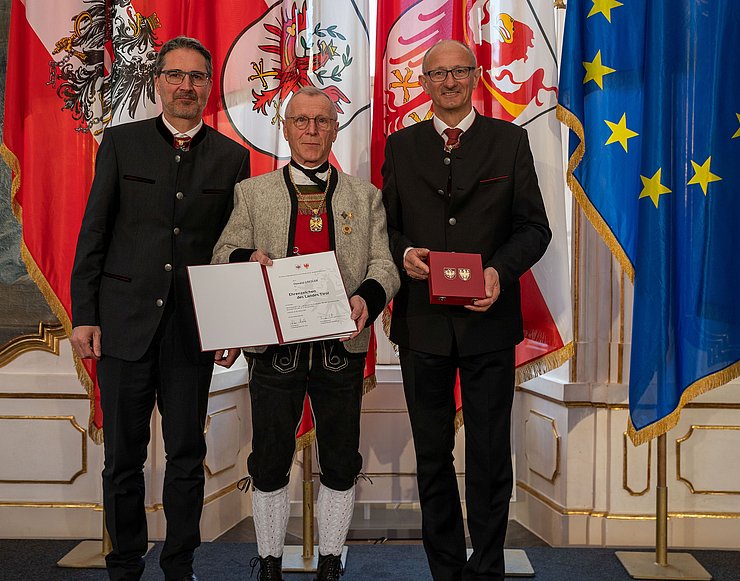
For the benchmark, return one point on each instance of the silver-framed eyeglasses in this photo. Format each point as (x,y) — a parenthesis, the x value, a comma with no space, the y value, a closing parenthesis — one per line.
(176,77)
(301,121)
(458,73)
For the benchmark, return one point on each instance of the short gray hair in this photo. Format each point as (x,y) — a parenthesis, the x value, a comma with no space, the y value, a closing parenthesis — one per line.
(474,62)
(311,91)
(182,42)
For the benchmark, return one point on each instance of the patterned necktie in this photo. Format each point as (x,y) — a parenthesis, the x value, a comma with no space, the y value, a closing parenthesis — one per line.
(182,143)
(453,137)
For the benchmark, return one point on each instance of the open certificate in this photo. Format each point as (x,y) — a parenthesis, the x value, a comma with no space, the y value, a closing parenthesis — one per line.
(244,304)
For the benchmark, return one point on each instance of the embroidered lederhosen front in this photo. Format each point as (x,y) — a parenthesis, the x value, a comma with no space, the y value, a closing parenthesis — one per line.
(280,379)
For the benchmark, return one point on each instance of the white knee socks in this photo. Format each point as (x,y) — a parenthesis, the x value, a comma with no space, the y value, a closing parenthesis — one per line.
(334,515)
(270,511)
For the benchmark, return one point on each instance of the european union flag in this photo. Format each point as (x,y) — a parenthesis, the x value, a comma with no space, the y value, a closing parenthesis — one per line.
(651,92)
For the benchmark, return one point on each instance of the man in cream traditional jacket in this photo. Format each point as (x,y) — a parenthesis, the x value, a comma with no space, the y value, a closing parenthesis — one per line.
(306,207)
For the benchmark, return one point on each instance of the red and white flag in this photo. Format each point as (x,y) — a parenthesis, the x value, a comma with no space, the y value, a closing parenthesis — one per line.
(74,67)
(514,43)
(77,66)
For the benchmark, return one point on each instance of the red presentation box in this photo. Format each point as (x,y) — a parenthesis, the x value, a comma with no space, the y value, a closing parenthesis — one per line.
(455,278)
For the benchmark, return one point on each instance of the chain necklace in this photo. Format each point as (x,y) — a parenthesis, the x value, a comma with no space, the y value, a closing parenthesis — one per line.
(315,223)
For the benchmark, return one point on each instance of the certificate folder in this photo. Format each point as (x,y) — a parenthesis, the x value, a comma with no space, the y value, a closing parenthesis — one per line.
(245,304)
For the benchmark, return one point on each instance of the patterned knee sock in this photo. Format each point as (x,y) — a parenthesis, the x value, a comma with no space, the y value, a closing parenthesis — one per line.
(334,516)
(270,511)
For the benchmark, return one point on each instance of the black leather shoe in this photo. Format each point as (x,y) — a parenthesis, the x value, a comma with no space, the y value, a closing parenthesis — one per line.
(188,577)
(271,568)
(329,568)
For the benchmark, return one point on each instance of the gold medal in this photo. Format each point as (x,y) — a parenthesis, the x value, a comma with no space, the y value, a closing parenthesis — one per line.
(315,224)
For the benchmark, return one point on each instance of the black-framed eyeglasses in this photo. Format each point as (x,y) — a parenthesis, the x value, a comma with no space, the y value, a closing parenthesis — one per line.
(458,73)
(302,121)
(176,77)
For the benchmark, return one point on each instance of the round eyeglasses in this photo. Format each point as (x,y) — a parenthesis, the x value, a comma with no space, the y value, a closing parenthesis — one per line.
(176,77)
(458,73)
(302,121)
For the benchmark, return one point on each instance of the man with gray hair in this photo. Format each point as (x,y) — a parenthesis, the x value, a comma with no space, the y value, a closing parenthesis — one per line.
(162,193)
(461,182)
(306,207)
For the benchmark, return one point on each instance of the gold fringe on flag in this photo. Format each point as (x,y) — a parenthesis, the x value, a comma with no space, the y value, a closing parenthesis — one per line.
(12,161)
(369,384)
(386,319)
(531,370)
(96,435)
(459,420)
(697,388)
(574,124)
(387,313)
(305,440)
(543,364)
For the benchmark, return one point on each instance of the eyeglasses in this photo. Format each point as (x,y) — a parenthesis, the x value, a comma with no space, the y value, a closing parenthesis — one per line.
(176,77)
(458,73)
(301,121)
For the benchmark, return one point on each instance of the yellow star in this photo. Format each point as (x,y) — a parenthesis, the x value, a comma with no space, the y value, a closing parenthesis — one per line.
(702,175)
(604,7)
(595,71)
(737,133)
(620,133)
(652,188)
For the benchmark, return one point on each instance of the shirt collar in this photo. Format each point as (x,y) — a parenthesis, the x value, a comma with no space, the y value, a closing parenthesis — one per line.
(302,179)
(465,123)
(177,133)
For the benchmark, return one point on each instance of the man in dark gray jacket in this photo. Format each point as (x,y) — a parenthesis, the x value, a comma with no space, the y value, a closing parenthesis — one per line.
(461,182)
(162,193)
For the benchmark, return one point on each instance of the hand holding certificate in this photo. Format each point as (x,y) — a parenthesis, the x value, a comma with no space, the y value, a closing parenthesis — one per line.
(245,304)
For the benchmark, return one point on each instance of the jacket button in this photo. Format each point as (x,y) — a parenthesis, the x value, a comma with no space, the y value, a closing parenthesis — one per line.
(452,221)
(447,161)
(176,231)
(168,267)
(159,302)
(177,159)
(441,192)
(179,195)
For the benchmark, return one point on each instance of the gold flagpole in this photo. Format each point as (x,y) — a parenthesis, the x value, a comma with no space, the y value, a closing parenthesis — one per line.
(662,565)
(308,551)
(304,559)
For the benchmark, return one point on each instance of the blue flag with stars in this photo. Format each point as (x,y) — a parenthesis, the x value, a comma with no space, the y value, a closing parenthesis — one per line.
(651,92)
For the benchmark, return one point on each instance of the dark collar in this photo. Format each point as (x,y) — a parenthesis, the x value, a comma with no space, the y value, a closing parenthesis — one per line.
(312,173)
(167,134)
(333,179)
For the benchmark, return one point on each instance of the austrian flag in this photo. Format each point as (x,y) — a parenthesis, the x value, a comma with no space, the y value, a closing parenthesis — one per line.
(76,67)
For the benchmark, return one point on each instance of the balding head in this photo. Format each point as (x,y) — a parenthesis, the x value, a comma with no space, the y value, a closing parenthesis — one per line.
(444,44)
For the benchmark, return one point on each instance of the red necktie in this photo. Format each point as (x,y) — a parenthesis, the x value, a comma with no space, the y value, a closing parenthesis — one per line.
(182,143)
(453,137)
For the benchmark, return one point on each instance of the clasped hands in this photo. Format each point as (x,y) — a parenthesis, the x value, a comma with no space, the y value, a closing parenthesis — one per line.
(415,265)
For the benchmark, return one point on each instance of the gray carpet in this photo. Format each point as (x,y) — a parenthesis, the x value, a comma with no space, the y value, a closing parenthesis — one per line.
(22,560)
